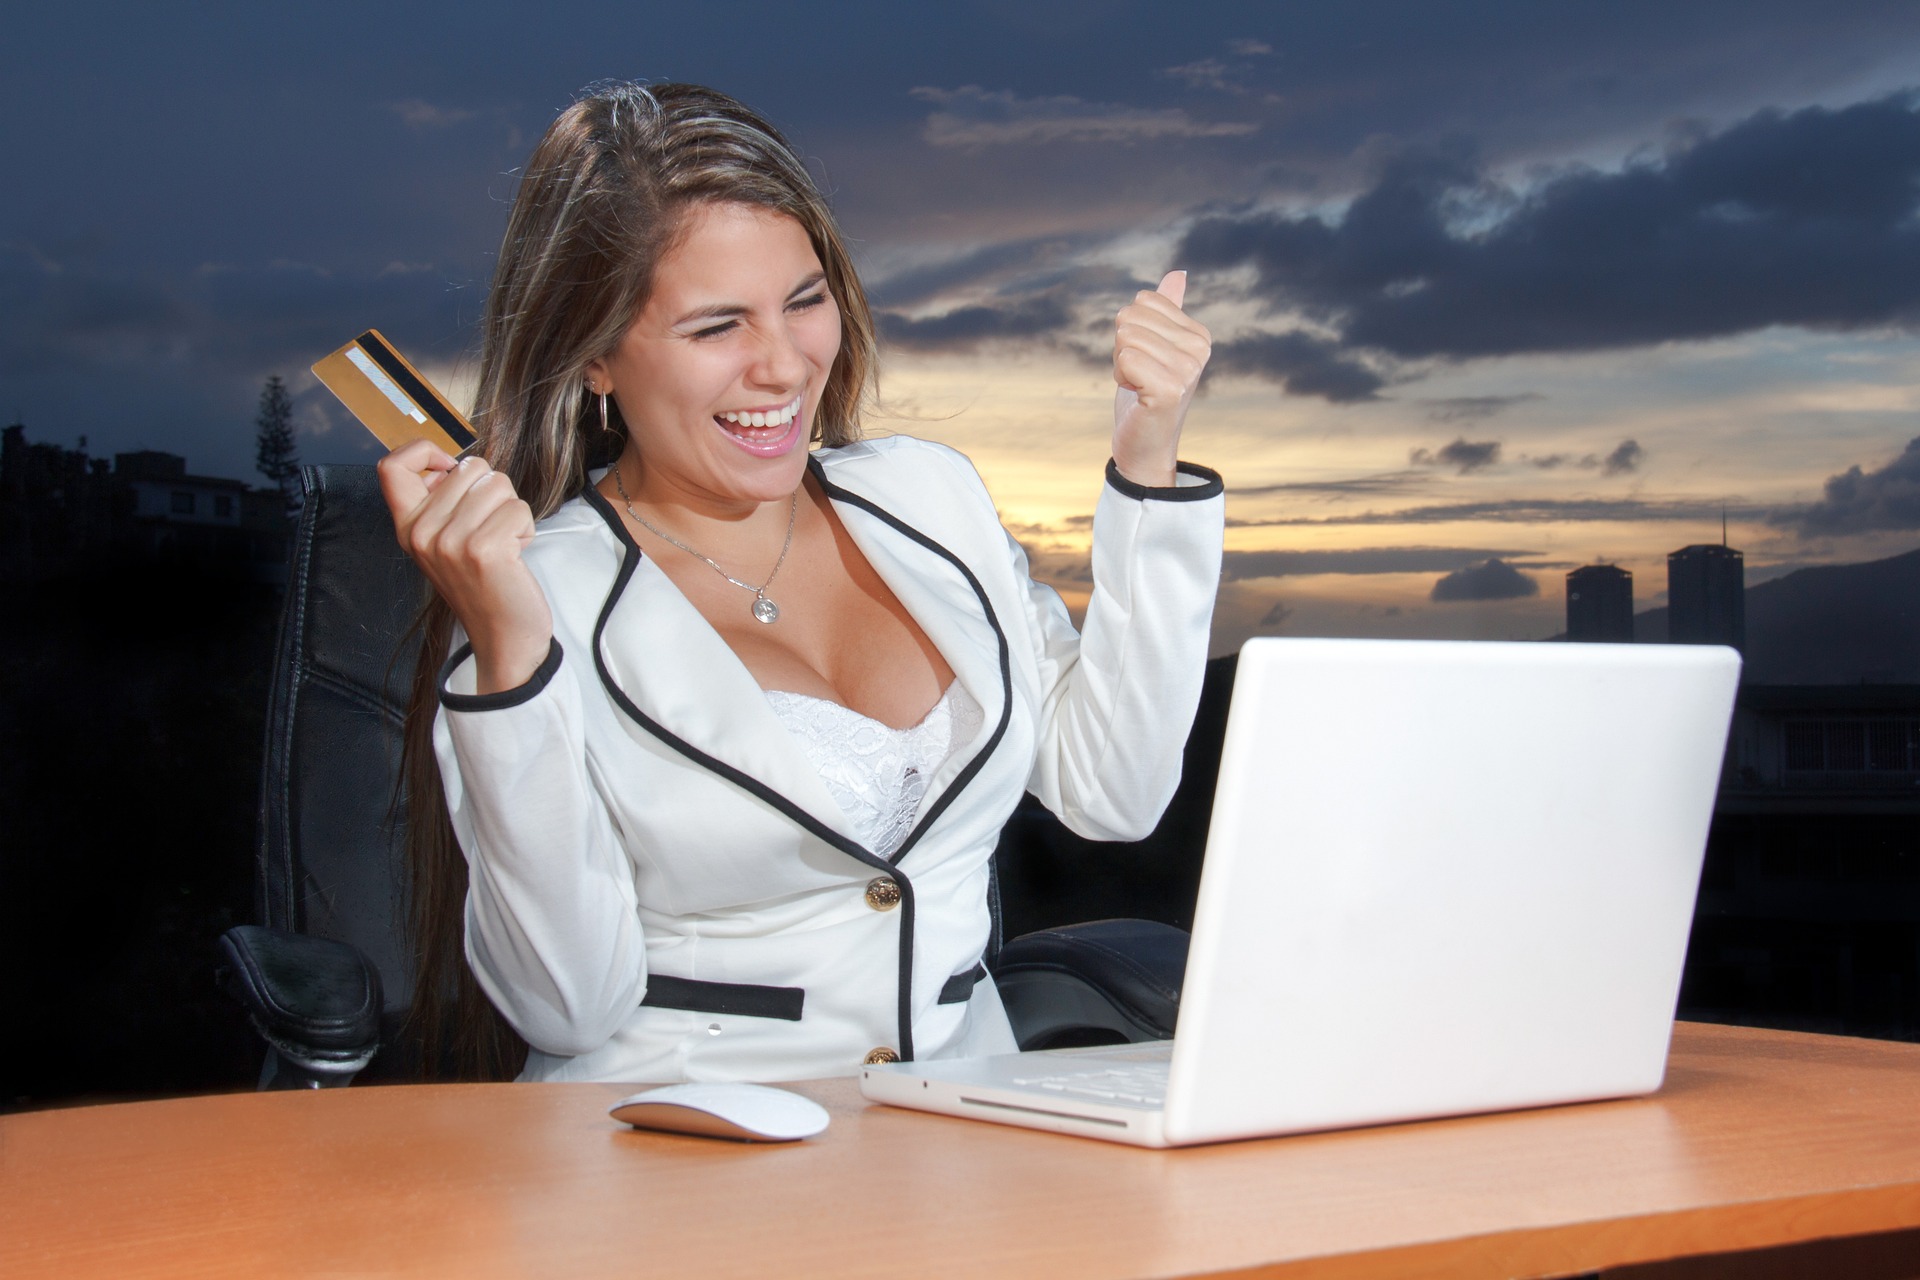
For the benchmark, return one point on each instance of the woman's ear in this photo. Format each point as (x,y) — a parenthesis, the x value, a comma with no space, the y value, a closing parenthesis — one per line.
(599,381)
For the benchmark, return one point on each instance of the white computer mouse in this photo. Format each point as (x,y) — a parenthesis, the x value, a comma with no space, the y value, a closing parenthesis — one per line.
(745,1112)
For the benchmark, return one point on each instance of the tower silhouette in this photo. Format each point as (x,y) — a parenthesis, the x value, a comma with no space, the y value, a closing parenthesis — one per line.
(1707,596)
(1600,603)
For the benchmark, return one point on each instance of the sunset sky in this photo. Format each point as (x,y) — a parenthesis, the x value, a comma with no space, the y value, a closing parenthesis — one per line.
(1531,283)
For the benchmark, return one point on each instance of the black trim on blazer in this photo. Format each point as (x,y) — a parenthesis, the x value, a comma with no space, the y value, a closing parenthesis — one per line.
(696,996)
(630,561)
(1213,487)
(504,698)
(979,760)
(959,988)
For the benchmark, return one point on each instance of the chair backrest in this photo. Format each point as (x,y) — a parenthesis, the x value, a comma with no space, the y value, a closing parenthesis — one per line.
(331,855)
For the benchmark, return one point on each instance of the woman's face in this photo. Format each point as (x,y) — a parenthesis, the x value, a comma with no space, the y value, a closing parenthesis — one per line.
(720,375)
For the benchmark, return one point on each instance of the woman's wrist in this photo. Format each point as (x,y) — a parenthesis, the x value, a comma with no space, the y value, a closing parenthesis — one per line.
(1151,471)
(508,664)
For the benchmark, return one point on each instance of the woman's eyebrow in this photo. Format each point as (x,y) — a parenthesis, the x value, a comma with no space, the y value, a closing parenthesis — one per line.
(817,278)
(728,310)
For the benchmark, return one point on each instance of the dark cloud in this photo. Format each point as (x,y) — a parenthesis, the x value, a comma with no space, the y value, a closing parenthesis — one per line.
(175,360)
(965,328)
(180,145)
(972,117)
(1303,364)
(1493,580)
(1032,291)
(1384,482)
(1019,258)
(1625,458)
(1463,455)
(1473,408)
(1858,501)
(1276,617)
(1802,219)
(1528,511)
(1358,560)
(1072,526)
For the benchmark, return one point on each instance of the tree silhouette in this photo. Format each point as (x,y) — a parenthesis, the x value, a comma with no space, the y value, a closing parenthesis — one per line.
(275,455)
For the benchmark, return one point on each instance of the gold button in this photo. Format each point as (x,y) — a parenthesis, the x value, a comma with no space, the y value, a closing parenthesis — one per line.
(881,1057)
(883,894)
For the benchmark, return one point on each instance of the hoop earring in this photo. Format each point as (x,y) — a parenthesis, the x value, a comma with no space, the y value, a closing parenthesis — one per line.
(603,413)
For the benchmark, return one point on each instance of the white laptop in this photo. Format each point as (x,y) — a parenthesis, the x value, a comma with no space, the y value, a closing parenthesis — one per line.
(1441,878)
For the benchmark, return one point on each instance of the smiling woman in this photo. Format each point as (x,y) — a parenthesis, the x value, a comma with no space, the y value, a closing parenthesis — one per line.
(667,826)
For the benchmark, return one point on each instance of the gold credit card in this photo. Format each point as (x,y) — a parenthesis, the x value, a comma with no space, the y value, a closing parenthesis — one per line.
(391,398)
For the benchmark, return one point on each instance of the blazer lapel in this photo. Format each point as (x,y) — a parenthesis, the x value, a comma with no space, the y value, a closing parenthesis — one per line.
(672,667)
(929,579)
(680,682)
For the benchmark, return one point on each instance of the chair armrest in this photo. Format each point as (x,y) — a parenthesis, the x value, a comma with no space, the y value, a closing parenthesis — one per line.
(1103,982)
(314,1001)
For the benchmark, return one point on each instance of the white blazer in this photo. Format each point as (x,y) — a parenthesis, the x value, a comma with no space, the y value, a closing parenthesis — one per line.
(661,887)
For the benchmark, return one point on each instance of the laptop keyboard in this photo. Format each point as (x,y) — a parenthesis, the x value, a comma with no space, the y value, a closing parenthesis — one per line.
(1146,1083)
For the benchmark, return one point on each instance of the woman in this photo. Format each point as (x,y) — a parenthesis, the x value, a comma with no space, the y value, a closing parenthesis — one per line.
(726,732)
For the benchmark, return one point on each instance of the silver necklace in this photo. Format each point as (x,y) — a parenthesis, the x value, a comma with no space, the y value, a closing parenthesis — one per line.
(764,610)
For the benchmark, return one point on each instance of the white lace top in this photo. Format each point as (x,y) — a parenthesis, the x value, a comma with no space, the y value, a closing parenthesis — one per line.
(878,774)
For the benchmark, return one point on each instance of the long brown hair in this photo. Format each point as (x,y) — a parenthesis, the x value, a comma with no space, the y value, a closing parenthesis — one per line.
(602,200)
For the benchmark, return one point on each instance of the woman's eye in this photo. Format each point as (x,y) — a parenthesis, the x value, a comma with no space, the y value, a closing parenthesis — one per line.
(715,331)
(811,300)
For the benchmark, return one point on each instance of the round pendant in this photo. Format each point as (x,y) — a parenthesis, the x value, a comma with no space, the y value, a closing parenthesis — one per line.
(765,610)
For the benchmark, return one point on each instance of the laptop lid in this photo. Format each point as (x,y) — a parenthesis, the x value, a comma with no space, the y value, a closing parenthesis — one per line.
(1445,877)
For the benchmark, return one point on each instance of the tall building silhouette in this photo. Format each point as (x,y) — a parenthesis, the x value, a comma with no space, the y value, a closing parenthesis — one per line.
(1707,596)
(1600,603)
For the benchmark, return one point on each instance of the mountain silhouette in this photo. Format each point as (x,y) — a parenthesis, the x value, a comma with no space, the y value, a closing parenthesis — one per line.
(1828,624)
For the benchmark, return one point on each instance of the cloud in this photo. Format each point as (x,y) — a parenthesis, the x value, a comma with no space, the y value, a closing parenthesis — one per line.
(421,115)
(1384,482)
(964,328)
(1358,560)
(1207,73)
(1527,511)
(1803,219)
(971,117)
(175,360)
(1001,261)
(1473,408)
(1858,501)
(1465,456)
(1625,458)
(1301,363)
(1493,580)
(1248,48)
(1276,617)
(1027,290)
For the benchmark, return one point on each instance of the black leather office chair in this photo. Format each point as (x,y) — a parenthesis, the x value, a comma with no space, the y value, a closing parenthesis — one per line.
(326,977)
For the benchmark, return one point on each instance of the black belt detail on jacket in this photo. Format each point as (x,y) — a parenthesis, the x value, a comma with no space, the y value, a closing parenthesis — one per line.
(959,988)
(630,561)
(745,998)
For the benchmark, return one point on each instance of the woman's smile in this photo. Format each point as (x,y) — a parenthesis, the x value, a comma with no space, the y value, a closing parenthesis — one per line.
(766,433)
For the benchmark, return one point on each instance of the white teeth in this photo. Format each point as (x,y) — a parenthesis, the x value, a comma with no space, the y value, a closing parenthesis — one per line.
(777,418)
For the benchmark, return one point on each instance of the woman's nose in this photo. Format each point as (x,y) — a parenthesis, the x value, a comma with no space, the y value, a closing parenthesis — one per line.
(779,364)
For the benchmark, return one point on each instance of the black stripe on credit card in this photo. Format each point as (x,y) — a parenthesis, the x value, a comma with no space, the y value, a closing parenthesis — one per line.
(391,365)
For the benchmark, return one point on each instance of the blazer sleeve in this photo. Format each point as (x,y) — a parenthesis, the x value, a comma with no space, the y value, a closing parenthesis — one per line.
(1119,697)
(552,932)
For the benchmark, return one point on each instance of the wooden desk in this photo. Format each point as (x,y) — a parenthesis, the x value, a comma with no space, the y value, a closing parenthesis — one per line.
(1759,1139)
